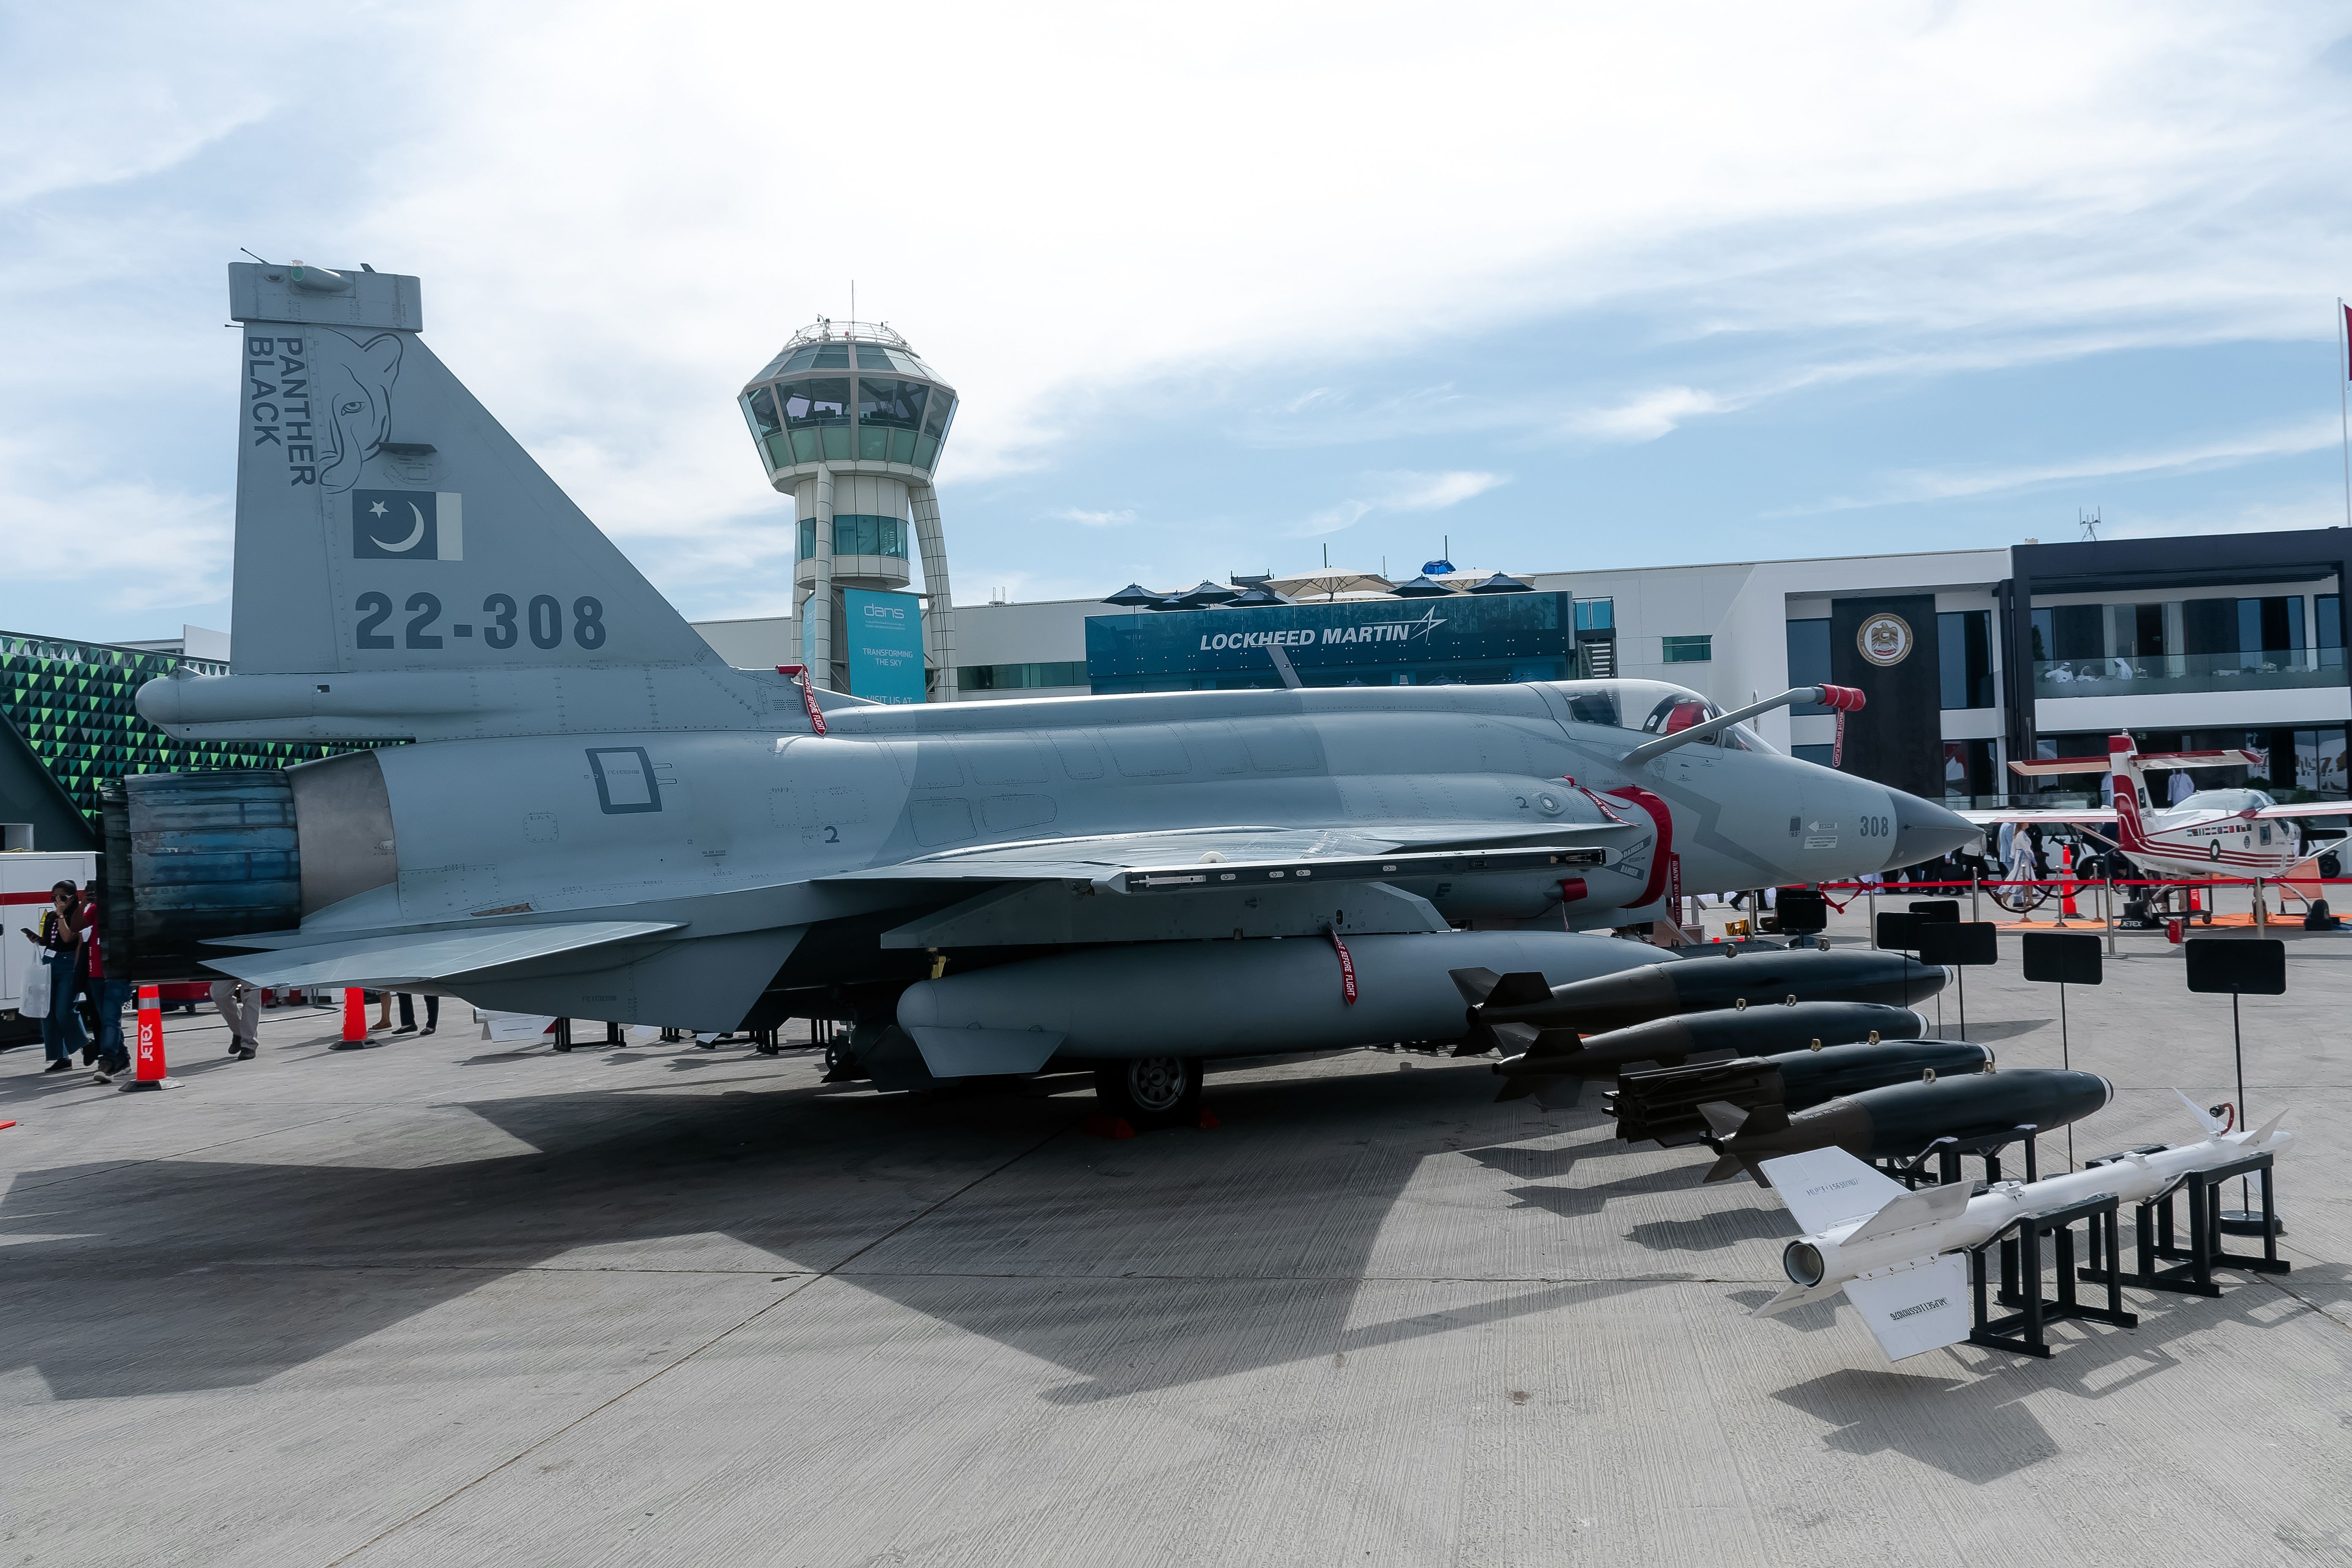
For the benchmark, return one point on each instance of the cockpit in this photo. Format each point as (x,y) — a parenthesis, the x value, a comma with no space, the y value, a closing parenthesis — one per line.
(2230,800)
(1652,708)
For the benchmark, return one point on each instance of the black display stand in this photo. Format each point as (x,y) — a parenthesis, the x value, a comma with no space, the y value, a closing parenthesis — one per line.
(1963,945)
(2063,959)
(2241,966)
(2025,1331)
(2192,1273)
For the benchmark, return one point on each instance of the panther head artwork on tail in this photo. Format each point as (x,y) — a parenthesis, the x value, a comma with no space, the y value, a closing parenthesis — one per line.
(354,377)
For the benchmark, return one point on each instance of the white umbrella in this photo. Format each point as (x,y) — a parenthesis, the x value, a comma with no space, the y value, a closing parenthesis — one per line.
(1326,582)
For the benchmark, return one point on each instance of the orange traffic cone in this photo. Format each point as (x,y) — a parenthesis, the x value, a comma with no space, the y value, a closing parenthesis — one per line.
(354,1021)
(150,1072)
(2066,904)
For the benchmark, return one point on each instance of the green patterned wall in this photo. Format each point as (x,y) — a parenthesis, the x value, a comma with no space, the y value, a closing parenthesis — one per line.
(72,703)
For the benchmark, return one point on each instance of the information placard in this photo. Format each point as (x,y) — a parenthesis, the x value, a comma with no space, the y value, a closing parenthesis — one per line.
(884,634)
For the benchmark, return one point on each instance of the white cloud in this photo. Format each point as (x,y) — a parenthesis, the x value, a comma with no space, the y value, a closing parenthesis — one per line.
(1123,516)
(1401,491)
(1645,415)
(2197,456)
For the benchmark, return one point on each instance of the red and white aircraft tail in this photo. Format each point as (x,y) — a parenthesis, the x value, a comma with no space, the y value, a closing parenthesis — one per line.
(2130,767)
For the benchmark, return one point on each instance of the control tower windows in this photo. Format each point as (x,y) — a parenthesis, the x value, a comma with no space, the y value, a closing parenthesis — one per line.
(816,412)
(857,535)
(889,412)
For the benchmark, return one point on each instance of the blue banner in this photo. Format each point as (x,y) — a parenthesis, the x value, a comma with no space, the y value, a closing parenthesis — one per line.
(1463,639)
(884,634)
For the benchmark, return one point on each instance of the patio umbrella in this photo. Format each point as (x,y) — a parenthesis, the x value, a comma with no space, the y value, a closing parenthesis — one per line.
(1326,582)
(1499,584)
(1134,593)
(1422,588)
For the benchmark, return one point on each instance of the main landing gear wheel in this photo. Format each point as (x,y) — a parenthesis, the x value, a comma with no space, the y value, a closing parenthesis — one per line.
(1150,1092)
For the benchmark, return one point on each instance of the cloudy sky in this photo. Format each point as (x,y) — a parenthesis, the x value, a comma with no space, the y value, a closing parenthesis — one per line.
(1221,285)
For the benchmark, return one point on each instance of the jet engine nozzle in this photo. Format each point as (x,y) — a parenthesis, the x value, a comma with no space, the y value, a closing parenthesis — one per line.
(1802,1262)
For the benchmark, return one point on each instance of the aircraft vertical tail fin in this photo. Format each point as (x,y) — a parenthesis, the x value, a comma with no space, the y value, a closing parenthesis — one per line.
(386,522)
(2131,789)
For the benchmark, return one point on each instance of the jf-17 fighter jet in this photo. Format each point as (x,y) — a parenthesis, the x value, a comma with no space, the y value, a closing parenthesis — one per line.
(595,816)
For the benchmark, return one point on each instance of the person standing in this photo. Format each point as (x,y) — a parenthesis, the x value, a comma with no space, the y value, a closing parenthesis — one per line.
(107,993)
(59,939)
(240,1009)
(408,1016)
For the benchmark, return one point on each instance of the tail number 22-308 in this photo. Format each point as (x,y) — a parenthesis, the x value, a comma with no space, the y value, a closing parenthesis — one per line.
(505,623)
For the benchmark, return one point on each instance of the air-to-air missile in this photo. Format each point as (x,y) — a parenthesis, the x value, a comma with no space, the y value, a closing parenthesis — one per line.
(595,816)
(1663,1104)
(1977,1111)
(1894,1253)
(1749,979)
(1535,1058)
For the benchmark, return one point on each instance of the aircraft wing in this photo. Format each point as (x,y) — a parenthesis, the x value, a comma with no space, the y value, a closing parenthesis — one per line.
(1992,818)
(426,956)
(2308,809)
(1211,857)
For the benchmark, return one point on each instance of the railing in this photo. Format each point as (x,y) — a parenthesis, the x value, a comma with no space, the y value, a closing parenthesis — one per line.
(2153,675)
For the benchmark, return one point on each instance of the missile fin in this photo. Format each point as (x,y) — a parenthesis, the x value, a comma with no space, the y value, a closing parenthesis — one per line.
(1725,1168)
(1515,1039)
(1520,1087)
(1724,1119)
(2262,1137)
(1519,988)
(1826,1188)
(1476,984)
(1922,1307)
(1797,1296)
(2205,1118)
(1926,1207)
(1556,1094)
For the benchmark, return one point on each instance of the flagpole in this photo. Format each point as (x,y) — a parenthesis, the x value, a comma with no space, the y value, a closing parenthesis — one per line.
(2342,418)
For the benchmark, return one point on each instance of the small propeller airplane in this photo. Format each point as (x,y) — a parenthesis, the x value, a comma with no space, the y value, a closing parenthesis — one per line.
(2213,833)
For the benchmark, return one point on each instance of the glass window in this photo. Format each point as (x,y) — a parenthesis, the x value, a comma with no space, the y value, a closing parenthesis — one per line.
(2081,631)
(2209,625)
(2139,631)
(874,357)
(942,409)
(1964,639)
(2330,616)
(926,448)
(872,444)
(859,534)
(760,409)
(885,401)
(834,443)
(1809,659)
(803,446)
(1019,677)
(1967,767)
(802,359)
(2044,633)
(902,446)
(806,550)
(1596,614)
(824,401)
(1688,650)
(831,356)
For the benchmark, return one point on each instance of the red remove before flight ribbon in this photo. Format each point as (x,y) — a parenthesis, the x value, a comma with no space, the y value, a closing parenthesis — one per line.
(1347,965)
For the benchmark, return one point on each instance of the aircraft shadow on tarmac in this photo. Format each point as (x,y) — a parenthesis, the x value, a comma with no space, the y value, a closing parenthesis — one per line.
(1133,1265)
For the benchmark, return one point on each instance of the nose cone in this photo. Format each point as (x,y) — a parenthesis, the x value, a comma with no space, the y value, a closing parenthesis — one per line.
(1924,830)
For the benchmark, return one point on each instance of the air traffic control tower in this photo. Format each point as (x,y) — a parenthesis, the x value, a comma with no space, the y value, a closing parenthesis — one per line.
(850,424)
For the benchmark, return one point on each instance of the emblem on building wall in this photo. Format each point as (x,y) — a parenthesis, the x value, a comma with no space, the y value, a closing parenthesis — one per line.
(1885,639)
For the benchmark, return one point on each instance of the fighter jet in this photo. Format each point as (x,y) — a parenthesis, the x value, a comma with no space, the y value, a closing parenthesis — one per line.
(595,816)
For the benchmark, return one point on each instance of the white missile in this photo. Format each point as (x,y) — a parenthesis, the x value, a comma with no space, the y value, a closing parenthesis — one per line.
(1896,1254)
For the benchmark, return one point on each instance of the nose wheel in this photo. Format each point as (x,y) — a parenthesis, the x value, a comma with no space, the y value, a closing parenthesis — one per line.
(1150,1092)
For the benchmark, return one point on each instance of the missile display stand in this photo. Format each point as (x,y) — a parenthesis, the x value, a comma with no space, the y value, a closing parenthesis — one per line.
(2025,1331)
(2191,1271)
